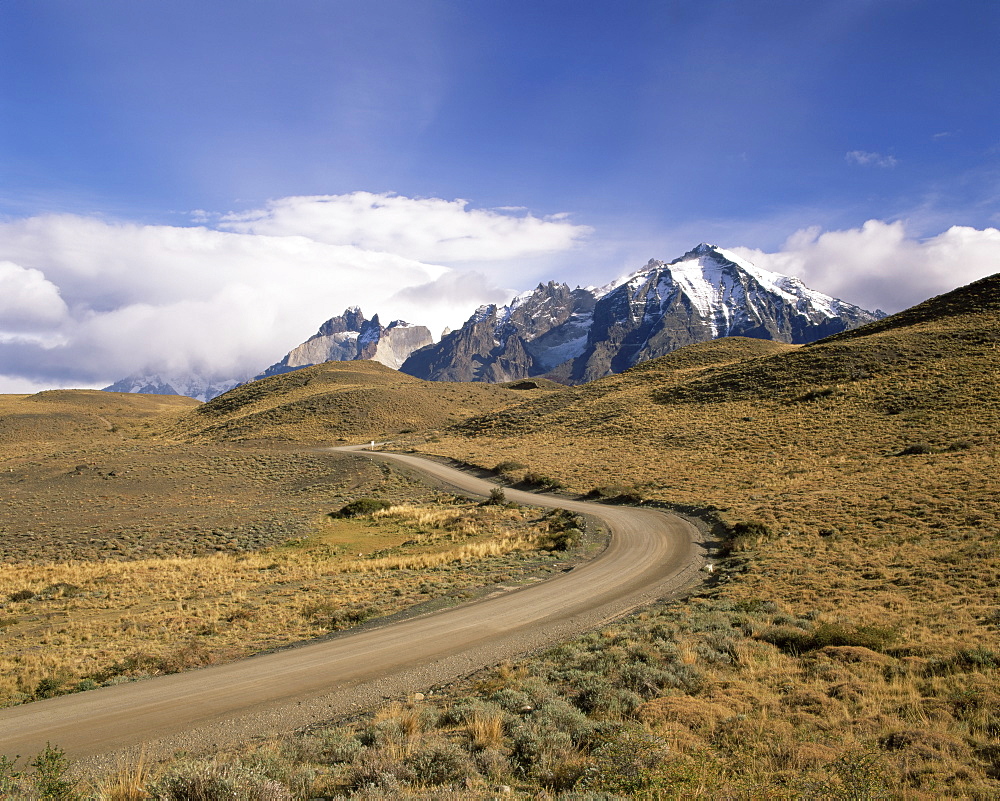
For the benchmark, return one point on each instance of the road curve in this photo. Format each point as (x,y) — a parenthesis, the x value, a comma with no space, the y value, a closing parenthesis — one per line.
(651,554)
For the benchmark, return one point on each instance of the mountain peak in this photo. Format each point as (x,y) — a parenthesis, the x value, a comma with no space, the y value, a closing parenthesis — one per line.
(578,335)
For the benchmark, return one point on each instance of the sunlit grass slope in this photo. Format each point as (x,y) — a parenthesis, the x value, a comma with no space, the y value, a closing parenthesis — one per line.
(883,438)
(59,417)
(850,643)
(351,400)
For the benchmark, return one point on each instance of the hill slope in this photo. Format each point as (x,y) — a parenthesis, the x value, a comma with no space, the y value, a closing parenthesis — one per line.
(334,400)
(57,418)
(857,478)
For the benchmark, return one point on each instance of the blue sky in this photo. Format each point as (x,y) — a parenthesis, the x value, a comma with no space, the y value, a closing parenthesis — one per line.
(583,137)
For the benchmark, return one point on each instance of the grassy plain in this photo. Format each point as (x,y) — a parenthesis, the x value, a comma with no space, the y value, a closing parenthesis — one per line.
(127,551)
(846,646)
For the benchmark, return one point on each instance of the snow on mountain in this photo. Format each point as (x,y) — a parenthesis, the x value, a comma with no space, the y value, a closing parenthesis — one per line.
(194,386)
(583,334)
(572,335)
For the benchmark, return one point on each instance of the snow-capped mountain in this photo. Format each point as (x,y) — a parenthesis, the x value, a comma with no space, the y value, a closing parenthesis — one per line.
(192,385)
(536,332)
(583,334)
(571,335)
(350,336)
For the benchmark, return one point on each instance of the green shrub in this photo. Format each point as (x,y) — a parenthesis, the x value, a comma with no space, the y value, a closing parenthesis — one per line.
(544,483)
(210,781)
(338,745)
(51,767)
(11,780)
(616,493)
(916,449)
(378,769)
(797,641)
(509,467)
(333,616)
(743,535)
(362,507)
(497,497)
(439,761)
(628,764)
(47,687)
(876,638)
(21,595)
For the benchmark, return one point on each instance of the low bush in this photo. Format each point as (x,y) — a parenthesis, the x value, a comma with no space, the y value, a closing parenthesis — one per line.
(211,781)
(48,687)
(51,774)
(628,764)
(539,481)
(509,467)
(916,449)
(616,493)
(798,641)
(336,617)
(743,535)
(438,761)
(362,507)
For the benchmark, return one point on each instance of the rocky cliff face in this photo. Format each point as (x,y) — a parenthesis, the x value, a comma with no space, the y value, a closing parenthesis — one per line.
(575,336)
(536,332)
(350,336)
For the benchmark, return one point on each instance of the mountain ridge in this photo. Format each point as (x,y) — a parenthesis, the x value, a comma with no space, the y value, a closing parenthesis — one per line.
(571,336)
(577,336)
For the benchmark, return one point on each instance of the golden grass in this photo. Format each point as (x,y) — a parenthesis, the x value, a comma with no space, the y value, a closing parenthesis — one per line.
(870,460)
(81,621)
(867,463)
(334,400)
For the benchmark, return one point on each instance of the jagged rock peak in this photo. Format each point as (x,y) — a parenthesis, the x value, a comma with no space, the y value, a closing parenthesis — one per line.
(579,335)
(350,337)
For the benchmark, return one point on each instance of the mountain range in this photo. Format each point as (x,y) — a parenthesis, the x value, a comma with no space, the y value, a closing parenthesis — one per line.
(573,336)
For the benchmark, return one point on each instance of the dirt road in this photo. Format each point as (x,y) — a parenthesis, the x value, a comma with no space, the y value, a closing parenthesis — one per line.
(651,555)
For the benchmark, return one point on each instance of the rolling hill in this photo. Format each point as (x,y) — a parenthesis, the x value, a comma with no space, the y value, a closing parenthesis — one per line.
(337,400)
(846,645)
(60,417)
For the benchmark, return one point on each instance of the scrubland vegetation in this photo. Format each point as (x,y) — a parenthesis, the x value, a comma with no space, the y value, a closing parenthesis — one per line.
(847,644)
(73,626)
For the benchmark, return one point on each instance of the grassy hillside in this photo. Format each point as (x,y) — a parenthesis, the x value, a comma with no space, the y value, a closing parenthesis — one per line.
(125,552)
(354,400)
(846,646)
(59,417)
(855,619)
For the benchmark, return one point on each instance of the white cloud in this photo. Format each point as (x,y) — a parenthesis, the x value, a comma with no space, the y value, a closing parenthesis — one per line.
(865,158)
(28,302)
(465,290)
(85,301)
(880,266)
(426,229)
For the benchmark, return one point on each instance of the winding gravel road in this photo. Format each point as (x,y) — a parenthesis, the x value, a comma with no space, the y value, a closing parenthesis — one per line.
(651,555)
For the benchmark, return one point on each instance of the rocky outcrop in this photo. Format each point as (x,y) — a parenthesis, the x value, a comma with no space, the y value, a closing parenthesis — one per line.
(349,337)
(538,331)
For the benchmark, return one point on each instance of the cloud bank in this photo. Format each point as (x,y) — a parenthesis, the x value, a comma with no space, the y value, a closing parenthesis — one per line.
(85,301)
(880,266)
(429,229)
